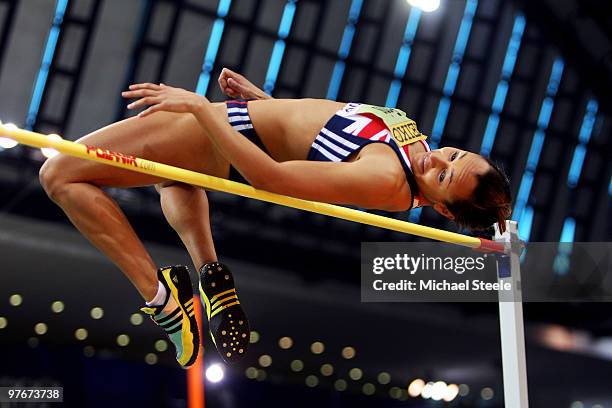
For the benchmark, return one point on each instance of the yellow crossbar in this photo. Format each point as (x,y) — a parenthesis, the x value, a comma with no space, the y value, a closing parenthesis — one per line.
(214,183)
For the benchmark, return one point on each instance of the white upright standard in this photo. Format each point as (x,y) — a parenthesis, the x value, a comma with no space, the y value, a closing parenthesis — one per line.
(511,320)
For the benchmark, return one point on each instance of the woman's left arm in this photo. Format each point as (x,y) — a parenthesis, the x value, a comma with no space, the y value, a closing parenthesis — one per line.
(252,162)
(340,183)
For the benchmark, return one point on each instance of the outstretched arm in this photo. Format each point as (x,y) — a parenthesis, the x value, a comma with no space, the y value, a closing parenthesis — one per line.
(235,85)
(339,183)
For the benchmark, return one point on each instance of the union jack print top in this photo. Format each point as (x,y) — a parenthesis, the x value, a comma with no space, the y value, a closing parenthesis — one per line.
(347,132)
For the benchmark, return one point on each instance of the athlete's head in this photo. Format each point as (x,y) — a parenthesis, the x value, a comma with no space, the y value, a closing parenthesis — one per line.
(463,186)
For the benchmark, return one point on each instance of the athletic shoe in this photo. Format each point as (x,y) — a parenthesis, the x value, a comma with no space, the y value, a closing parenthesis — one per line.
(227,322)
(179,323)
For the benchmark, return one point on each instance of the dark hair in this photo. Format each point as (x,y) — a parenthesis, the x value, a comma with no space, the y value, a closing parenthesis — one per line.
(490,202)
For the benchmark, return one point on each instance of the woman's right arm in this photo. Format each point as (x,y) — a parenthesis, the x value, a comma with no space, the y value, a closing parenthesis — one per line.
(235,85)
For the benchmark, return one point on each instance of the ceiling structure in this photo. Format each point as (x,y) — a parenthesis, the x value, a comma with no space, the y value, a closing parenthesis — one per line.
(525,82)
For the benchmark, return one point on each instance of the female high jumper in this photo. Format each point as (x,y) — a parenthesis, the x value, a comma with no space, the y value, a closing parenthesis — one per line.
(321,150)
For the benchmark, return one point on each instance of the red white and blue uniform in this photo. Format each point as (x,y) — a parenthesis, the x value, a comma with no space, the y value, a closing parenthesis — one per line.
(343,135)
(347,132)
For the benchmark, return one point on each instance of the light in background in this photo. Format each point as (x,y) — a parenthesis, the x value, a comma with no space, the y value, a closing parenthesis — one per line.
(452,390)
(215,373)
(6,143)
(416,387)
(47,152)
(425,5)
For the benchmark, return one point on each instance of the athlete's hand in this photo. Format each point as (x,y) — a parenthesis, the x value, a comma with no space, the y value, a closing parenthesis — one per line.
(235,85)
(162,98)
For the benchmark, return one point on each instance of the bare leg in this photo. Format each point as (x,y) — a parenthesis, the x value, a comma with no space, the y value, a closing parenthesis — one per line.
(75,185)
(186,210)
(101,221)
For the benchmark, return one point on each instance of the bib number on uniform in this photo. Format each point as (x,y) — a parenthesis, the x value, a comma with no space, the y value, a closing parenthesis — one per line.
(402,128)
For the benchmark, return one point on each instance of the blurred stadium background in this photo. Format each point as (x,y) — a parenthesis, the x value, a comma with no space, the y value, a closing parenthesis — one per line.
(526,82)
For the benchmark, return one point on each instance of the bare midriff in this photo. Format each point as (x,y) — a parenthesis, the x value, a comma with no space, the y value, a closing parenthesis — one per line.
(287,127)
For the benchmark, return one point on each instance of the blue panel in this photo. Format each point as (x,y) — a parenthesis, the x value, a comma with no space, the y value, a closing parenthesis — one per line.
(212,48)
(545,112)
(336,79)
(523,195)
(588,122)
(500,96)
(501,92)
(562,260)
(451,79)
(43,73)
(440,122)
(555,76)
(347,40)
(354,11)
(525,224)
(465,29)
(489,135)
(213,44)
(513,45)
(412,25)
(403,56)
(576,166)
(402,62)
(286,20)
(521,210)
(394,91)
(279,46)
(274,65)
(344,49)
(569,229)
(610,188)
(536,149)
(223,8)
(203,82)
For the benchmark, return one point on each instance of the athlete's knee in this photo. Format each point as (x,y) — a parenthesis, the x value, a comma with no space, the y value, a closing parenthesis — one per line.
(52,177)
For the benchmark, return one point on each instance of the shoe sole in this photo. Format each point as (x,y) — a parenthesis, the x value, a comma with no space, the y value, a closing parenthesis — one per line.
(231,335)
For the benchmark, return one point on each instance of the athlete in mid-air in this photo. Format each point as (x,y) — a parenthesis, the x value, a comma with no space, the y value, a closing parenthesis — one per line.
(321,150)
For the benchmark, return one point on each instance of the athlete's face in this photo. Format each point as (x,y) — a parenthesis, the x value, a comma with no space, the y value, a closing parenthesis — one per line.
(446,175)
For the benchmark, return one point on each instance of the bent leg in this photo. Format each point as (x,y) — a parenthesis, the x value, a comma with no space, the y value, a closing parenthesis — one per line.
(75,184)
(186,210)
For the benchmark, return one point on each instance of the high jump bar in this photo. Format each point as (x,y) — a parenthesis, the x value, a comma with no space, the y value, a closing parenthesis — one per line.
(165,171)
(510,304)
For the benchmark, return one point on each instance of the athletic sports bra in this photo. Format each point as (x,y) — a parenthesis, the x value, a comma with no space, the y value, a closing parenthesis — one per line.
(357,125)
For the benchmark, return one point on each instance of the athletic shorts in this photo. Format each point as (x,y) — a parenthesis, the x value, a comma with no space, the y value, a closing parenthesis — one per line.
(238,117)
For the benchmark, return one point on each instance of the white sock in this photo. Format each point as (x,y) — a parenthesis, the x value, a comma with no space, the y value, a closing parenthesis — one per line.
(160,297)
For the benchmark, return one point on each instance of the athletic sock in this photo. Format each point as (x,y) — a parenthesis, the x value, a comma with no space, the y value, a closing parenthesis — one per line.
(160,297)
